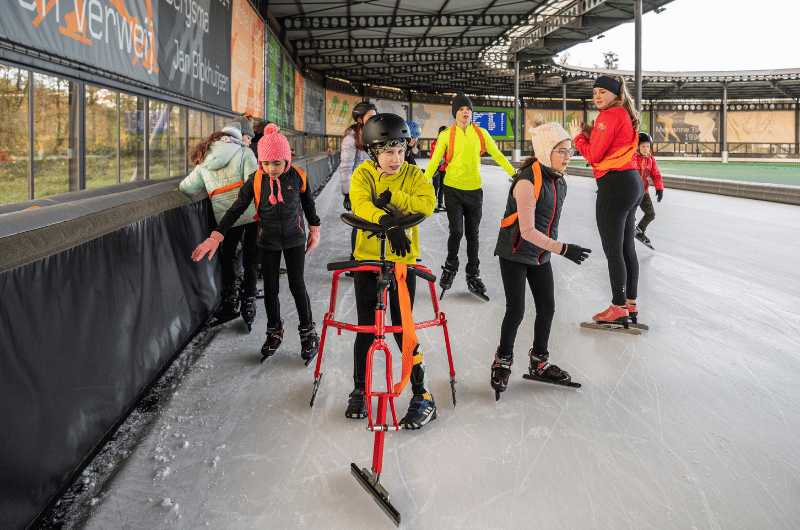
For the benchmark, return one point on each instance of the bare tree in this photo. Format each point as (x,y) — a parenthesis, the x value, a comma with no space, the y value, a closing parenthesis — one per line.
(564,59)
(611,61)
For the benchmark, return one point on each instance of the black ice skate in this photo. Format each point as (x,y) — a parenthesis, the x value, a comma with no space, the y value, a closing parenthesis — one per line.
(248,310)
(448,275)
(540,370)
(274,339)
(420,412)
(309,341)
(476,287)
(356,406)
(501,370)
(229,309)
(643,238)
(633,314)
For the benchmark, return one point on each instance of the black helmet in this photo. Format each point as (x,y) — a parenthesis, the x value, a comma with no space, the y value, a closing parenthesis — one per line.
(644,137)
(362,108)
(381,131)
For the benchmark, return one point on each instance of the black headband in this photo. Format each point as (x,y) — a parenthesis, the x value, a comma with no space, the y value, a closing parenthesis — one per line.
(609,83)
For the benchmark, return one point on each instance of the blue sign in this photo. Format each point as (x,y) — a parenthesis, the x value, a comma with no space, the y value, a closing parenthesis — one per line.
(494,122)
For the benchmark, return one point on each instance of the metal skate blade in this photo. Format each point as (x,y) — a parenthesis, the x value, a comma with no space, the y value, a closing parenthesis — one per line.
(364,477)
(610,327)
(639,326)
(532,377)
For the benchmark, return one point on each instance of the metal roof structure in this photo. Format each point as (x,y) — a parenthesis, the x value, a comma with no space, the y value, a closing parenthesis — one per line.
(441,46)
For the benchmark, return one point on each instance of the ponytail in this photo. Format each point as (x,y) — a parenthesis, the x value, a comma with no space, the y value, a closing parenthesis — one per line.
(198,154)
(625,101)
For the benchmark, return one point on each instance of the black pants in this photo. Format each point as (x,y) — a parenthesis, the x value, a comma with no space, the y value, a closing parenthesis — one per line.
(247,234)
(366,287)
(464,211)
(295,266)
(540,282)
(438,179)
(649,212)
(619,194)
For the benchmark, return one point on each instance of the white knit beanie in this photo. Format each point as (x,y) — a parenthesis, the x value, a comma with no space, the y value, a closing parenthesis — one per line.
(234,129)
(545,137)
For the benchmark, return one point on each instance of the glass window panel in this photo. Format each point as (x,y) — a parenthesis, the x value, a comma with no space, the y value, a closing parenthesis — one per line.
(207,120)
(177,141)
(102,137)
(55,120)
(159,146)
(131,123)
(14,135)
(195,131)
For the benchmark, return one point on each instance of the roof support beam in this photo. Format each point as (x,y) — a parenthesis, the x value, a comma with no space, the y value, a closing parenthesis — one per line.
(398,42)
(299,22)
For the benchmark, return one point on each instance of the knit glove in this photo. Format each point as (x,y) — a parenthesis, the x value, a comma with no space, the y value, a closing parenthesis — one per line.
(346,204)
(659,195)
(313,238)
(398,240)
(208,246)
(575,253)
(383,199)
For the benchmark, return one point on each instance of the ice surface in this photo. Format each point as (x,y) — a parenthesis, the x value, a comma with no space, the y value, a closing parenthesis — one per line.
(693,424)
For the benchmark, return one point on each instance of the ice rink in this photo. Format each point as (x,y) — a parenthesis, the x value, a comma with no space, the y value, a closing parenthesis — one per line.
(693,424)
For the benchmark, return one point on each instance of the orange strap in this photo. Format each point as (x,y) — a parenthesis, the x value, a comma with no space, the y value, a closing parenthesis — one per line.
(619,158)
(537,188)
(410,340)
(223,189)
(302,176)
(448,154)
(257,190)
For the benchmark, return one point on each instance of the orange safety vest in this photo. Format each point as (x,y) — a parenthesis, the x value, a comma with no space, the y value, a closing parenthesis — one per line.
(257,186)
(537,187)
(449,152)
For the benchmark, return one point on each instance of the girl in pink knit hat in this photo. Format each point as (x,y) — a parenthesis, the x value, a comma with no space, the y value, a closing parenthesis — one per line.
(281,198)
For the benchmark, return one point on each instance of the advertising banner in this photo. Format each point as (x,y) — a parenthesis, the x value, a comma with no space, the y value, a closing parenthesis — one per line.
(314,109)
(430,117)
(280,76)
(496,121)
(338,115)
(552,115)
(685,126)
(299,100)
(774,126)
(247,60)
(394,107)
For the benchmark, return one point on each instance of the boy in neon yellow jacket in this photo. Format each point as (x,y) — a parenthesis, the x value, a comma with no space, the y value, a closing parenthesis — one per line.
(464,142)
(388,182)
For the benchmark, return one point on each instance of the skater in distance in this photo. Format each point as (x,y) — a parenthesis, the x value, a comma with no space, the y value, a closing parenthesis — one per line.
(648,169)
(525,244)
(609,147)
(281,198)
(384,186)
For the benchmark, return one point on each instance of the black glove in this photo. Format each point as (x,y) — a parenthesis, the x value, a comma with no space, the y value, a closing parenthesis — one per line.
(659,195)
(398,240)
(383,199)
(346,204)
(575,253)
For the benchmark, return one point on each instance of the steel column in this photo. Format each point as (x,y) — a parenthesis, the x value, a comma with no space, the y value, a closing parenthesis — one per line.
(515,156)
(723,126)
(564,101)
(637,12)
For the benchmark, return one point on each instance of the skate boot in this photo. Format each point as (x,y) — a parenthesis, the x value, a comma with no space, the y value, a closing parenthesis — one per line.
(448,275)
(248,310)
(613,315)
(643,238)
(420,412)
(501,370)
(357,405)
(633,312)
(476,287)
(274,339)
(540,370)
(229,308)
(309,341)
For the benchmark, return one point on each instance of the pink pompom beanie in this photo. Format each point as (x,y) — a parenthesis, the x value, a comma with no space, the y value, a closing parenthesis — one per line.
(274,146)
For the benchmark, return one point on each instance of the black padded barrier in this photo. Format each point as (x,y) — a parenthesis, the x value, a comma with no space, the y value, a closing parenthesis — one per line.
(93,305)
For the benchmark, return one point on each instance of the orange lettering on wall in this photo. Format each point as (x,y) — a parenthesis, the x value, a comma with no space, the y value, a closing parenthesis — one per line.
(43,11)
(76,24)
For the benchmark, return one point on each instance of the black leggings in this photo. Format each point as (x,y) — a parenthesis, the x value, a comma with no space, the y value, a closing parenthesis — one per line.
(366,287)
(247,234)
(540,281)
(295,265)
(619,194)
(464,211)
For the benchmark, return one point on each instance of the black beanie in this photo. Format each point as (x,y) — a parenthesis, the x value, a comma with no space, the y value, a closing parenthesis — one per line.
(461,101)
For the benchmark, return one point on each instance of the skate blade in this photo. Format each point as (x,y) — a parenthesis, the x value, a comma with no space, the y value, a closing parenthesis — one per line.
(381,496)
(317,381)
(645,244)
(497,395)
(532,377)
(639,326)
(611,327)
(308,361)
(220,321)
(480,295)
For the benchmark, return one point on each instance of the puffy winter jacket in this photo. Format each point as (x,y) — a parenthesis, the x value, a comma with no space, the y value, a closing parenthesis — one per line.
(280,225)
(648,169)
(222,173)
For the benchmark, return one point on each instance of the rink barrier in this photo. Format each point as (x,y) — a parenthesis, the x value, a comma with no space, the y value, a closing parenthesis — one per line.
(760,191)
(98,296)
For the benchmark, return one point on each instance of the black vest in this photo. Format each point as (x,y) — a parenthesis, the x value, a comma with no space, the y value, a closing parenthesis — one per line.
(510,244)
